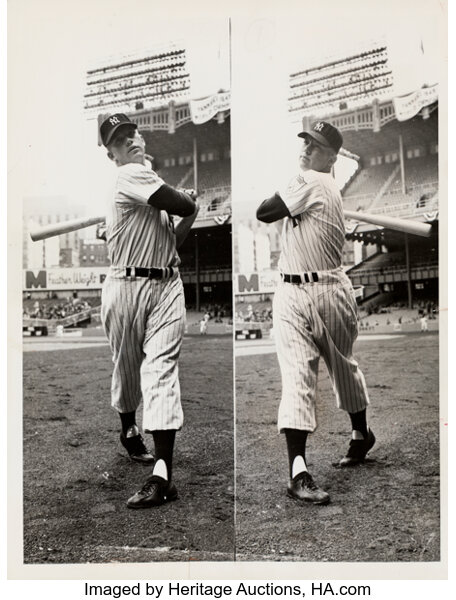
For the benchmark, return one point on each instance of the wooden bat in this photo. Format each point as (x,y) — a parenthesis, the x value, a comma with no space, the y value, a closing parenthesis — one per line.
(405,225)
(47,231)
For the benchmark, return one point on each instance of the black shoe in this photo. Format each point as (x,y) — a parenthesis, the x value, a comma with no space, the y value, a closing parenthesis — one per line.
(136,449)
(303,487)
(154,492)
(357,451)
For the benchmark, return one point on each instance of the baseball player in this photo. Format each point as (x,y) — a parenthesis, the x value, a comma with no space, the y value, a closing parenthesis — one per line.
(143,309)
(314,308)
(424,323)
(204,323)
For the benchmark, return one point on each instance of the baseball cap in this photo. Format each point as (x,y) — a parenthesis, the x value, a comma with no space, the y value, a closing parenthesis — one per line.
(111,125)
(324,133)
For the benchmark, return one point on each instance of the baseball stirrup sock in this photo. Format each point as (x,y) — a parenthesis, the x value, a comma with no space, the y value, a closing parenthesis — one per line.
(359,422)
(127,420)
(296,446)
(160,469)
(164,446)
(299,465)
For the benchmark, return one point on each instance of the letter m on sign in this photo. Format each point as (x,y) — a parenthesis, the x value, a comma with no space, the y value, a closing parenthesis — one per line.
(35,281)
(248,285)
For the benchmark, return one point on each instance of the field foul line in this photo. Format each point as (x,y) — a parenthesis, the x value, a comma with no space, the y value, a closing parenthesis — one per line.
(187,555)
(51,345)
(202,555)
(249,348)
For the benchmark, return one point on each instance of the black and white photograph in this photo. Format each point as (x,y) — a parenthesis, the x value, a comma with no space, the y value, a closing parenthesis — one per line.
(227,296)
(336,283)
(125,184)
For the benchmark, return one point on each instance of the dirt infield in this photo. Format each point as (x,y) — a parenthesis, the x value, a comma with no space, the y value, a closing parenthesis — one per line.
(76,482)
(384,510)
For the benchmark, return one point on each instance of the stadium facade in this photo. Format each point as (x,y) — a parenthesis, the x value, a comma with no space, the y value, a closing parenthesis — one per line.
(189,140)
(394,141)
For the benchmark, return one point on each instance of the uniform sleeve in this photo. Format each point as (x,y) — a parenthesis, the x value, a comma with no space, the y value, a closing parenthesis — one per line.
(302,195)
(136,183)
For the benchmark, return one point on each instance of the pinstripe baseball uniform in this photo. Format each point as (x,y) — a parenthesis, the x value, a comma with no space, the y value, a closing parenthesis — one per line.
(143,318)
(317,317)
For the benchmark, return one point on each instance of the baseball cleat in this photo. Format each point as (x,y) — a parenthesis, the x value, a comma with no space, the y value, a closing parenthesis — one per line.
(302,487)
(136,448)
(357,451)
(154,492)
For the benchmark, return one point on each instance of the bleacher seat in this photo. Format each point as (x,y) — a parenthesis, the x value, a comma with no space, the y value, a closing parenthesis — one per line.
(389,261)
(214,174)
(174,175)
(361,192)
(421,178)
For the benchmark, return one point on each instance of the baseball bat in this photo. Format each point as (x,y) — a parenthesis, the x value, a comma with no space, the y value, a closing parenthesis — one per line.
(396,223)
(47,231)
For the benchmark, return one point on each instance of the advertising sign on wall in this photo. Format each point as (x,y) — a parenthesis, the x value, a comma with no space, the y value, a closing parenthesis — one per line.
(64,279)
(263,282)
(203,110)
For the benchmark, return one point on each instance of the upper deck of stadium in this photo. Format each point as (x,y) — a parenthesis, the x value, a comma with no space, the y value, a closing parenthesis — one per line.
(393,138)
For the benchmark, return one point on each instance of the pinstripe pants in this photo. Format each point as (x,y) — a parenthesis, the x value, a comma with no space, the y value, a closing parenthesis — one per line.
(313,320)
(144,321)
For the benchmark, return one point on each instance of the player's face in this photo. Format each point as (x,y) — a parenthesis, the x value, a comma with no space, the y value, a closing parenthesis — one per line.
(127,146)
(314,156)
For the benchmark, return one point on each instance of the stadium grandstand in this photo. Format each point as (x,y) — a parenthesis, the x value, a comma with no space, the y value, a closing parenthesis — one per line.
(397,175)
(197,156)
(395,143)
(397,171)
(189,142)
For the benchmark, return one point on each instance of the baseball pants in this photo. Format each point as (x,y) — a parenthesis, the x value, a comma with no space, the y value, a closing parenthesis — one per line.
(313,320)
(144,320)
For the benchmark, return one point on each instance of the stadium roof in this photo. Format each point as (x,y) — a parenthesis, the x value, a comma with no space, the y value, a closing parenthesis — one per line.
(210,135)
(415,132)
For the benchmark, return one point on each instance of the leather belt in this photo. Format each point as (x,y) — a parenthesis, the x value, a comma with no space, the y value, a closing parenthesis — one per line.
(150,273)
(300,278)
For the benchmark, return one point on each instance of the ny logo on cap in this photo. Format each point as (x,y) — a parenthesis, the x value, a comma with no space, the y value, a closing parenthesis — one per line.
(318,126)
(114,121)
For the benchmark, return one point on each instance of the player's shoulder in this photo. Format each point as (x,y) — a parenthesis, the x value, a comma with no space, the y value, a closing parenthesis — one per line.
(314,176)
(309,182)
(137,172)
(136,168)
(322,181)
